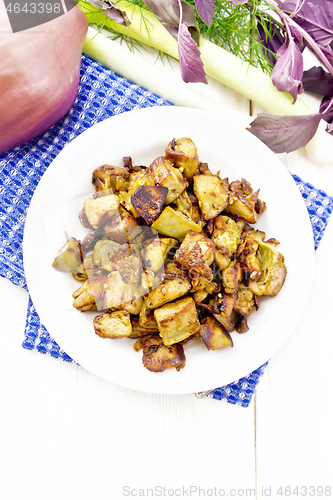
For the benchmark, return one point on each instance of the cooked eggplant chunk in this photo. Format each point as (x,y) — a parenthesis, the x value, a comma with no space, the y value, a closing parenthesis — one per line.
(90,295)
(110,177)
(184,155)
(230,322)
(140,331)
(214,334)
(148,201)
(99,210)
(136,180)
(245,301)
(184,204)
(231,277)
(106,252)
(146,316)
(130,268)
(158,357)
(123,227)
(69,258)
(226,234)
(196,254)
(171,255)
(212,194)
(166,175)
(118,294)
(115,325)
(243,201)
(167,291)
(271,270)
(155,252)
(174,224)
(177,320)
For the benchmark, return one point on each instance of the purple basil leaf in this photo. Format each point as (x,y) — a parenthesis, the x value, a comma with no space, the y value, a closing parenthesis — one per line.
(329,128)
(168,13)
(288,70)
(206,9)
(283,134)
(111,11)
(272,43)
(315,18)
(326,109)
(191,66)
(318,81)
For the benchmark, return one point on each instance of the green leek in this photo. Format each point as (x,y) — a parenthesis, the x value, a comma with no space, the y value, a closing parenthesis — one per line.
(127,64)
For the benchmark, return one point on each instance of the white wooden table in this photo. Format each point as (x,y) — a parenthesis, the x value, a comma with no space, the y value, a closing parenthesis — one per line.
(67,434)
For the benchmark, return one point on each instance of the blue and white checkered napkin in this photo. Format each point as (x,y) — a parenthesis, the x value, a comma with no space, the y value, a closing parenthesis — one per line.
(101,94)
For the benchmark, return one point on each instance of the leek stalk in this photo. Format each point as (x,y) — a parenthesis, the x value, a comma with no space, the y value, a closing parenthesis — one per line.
(127,64)
(219,64)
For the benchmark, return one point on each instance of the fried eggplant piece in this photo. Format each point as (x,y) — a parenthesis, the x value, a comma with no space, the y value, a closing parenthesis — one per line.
(196,254)
(202,293)
(121,295)
(184,155)
(224,303)
(226,234)
(89,266)
(242,326)
(90,295)
(270,282)
(184,204)
(167,291)
(150,280)
(146,317)
(230,322)
(243,201)
(110,177)
(123,227)
(214,335)
(245,301)
(99,210)
(137,179)
(171,271)
(212,194)
(69,258)
(130,268)
(272,270)
(174,224)
(199,283)
(115,325)
(155,252)
(148,201)
(140,331)
(166,175)
(158,357)
(231,277)
(220,259)
(106,252)
(247,253)
(200,296)
(177,320)
(83,219)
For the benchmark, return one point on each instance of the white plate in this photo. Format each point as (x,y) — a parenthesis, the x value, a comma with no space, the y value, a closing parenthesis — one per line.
(143,135)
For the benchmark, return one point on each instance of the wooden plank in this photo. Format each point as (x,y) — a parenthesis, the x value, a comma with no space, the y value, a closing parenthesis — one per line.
(70,434)
(294,403)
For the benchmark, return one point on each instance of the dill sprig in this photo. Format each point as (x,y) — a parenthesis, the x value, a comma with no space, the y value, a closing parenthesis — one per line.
(235,28)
